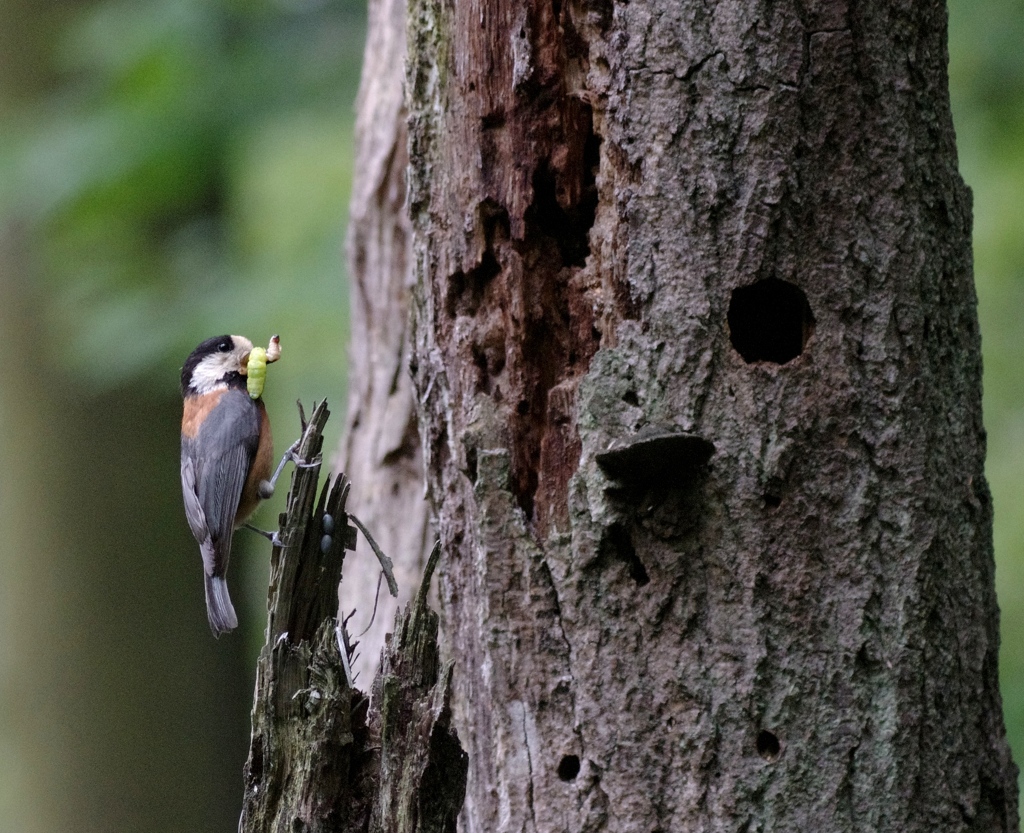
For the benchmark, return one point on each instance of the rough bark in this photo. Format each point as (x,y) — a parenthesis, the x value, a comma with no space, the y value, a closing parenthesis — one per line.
(321,759)
(380,449)
(645,232)
(423,766)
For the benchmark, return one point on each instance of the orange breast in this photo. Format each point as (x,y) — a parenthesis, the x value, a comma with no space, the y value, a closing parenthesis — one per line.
(196,410)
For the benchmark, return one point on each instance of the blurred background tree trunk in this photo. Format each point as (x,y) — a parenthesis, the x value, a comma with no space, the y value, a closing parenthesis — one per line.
(380,449)
(745,224)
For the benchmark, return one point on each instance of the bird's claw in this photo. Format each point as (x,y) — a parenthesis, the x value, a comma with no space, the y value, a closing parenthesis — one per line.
(273,537)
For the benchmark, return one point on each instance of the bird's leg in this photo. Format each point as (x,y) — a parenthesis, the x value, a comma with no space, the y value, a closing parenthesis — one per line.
(266,487)
(270,536)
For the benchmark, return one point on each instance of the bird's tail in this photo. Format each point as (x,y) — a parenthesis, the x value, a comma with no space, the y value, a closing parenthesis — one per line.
(219,609)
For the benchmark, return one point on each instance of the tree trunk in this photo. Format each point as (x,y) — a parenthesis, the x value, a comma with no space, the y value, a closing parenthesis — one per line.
(699,394)
(380,449)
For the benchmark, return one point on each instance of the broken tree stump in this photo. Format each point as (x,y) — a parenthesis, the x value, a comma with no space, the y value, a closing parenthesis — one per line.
(321,758)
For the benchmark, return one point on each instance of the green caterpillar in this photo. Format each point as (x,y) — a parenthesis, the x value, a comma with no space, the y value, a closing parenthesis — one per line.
(256,368)
(256,372)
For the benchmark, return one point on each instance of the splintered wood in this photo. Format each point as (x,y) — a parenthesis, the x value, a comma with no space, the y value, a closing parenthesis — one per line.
(322,758)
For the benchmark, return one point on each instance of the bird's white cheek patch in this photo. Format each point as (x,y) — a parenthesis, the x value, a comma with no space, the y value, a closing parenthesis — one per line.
(210,372)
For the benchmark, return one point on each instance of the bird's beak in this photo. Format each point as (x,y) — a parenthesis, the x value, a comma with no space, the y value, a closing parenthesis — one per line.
(244,369)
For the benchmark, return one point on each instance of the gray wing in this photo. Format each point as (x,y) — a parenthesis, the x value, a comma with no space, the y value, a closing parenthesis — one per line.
(193,509)
(214,466)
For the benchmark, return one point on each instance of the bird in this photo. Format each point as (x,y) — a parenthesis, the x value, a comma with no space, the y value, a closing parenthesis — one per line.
(226,458)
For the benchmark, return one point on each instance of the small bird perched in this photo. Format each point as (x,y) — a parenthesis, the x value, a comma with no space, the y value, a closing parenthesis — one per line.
(226,455)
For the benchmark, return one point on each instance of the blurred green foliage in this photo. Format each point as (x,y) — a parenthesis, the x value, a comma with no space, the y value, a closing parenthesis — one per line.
(987,90)
(169,170)
(185,173)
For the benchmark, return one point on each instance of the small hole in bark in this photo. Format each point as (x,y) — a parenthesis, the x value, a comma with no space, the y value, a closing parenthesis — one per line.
(772,501)
(522,33)
(569,767)
(523,408)
(768,746)
(770,321)
(256,761)
(492,121)
(471,464)
(466,290)
(480,361)
(472,86)
(567,225)
(630,398)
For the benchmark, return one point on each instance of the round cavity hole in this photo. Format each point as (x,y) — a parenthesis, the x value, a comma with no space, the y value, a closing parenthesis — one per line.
(770,321)
(569,768)
(768,746)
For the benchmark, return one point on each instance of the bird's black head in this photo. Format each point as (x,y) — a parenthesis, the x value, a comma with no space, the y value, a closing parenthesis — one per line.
(216,362)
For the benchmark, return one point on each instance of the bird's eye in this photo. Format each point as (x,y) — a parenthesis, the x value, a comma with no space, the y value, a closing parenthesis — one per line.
(224,346)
